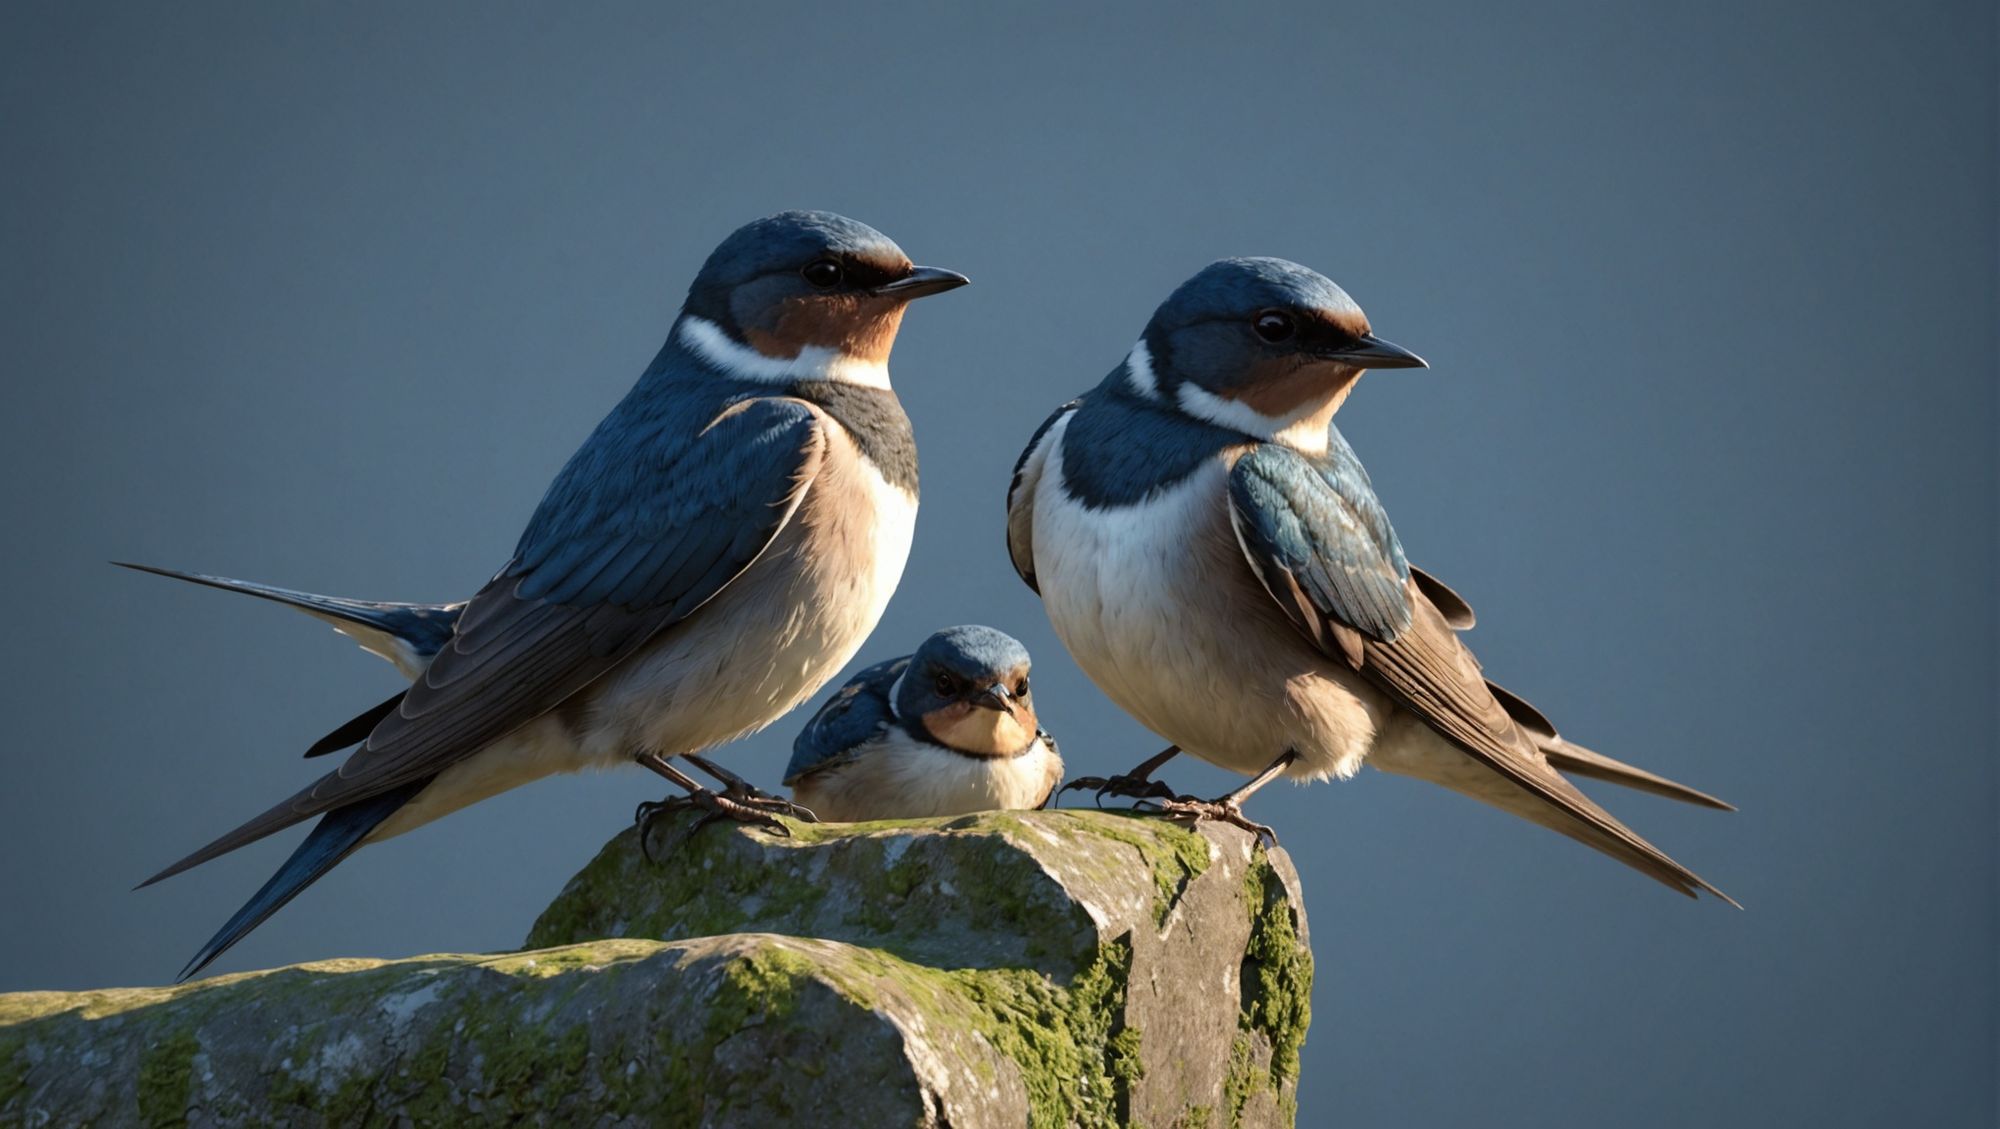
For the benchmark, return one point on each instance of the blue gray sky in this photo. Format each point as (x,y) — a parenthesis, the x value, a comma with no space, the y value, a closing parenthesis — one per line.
(324,297)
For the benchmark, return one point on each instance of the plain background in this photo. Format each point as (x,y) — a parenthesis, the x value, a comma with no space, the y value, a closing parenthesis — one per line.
(325,297)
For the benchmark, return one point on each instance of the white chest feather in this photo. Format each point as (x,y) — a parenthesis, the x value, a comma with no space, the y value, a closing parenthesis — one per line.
(898,777)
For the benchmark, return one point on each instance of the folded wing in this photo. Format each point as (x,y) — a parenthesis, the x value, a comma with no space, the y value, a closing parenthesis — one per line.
(1318,540)
(631,539)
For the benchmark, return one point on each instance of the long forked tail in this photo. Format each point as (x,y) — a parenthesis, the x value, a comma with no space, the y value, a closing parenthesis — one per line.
(1576,760)
(335,837)
(405,634)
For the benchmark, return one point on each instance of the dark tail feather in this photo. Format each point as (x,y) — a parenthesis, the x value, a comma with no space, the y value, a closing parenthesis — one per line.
(337,835)
(420,628)
(275,819)
(366,612)
(356,731)
(1579,761)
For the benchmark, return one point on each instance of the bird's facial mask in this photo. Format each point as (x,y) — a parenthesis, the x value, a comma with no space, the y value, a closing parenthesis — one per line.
(989,718)
(1284,361)
(850,303)
(1262,345)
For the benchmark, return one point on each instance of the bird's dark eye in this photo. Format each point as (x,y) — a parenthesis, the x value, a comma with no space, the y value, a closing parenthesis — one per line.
(1021,688)
(822,273)
(1275,326)
(947,685)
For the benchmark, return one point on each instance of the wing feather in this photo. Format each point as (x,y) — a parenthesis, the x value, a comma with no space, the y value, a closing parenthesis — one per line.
(1317,539)
(660,532)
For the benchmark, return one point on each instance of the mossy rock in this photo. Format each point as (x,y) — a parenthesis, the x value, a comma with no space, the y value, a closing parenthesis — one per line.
(1023,968)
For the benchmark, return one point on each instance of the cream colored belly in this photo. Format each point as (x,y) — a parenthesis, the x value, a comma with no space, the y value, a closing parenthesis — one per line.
(782,631)
(769,641)
(898,778)
(1158,607)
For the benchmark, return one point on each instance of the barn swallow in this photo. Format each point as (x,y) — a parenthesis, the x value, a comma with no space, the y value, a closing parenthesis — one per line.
(714,554)
(1212,553)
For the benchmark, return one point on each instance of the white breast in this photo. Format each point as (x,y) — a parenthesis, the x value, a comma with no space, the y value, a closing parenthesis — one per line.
(899,777)
(1157,605)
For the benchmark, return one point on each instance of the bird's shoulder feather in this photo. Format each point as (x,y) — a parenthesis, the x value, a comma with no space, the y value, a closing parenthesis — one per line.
(1315,535)
(857,713)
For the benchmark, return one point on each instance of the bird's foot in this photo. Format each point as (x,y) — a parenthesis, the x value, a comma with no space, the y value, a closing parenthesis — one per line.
(741,791)
(1135,786)
(1188,809)
(755,798)
(713,806)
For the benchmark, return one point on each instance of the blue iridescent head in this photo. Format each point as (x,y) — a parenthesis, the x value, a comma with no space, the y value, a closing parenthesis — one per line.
(968,688)
(1249,340)
(799,281)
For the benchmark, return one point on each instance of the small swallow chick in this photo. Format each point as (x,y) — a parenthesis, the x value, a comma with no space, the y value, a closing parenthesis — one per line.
(948,730)
(1212,553)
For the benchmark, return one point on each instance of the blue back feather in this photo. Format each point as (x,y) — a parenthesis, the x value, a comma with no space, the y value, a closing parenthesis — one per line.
(858,713)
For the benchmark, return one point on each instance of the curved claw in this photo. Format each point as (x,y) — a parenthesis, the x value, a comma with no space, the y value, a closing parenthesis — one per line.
(756,799)
(1132,787)
(714,806)
(741,791)
(1191,810)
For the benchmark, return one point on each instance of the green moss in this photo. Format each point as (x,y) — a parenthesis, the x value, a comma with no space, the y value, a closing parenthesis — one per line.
(805,833)
(893,889)
(1177,855)
(1076,1066)
(759,987)
(166,1079)
(765,984)
(1127,1067)
(1057,1037)
(1277,971)
(1243,1080)
(698,894)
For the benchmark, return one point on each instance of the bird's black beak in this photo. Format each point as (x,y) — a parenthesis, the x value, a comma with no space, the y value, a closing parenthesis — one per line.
(995,697)
(1373,352)
(922,281)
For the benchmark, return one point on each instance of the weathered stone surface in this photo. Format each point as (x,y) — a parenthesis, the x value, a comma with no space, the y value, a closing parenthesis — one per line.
(1044,968)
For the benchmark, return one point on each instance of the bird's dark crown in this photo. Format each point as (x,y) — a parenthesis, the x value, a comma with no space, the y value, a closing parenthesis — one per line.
(1207,331)
(811,280)
(784,244)
(957,662)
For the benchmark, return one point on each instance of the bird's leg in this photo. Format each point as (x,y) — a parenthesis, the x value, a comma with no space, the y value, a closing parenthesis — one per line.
(1138,783)
(712,805)
(1229,809)
(736,788)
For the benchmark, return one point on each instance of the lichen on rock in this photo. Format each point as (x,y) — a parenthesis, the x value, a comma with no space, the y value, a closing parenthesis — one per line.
(1037,968)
